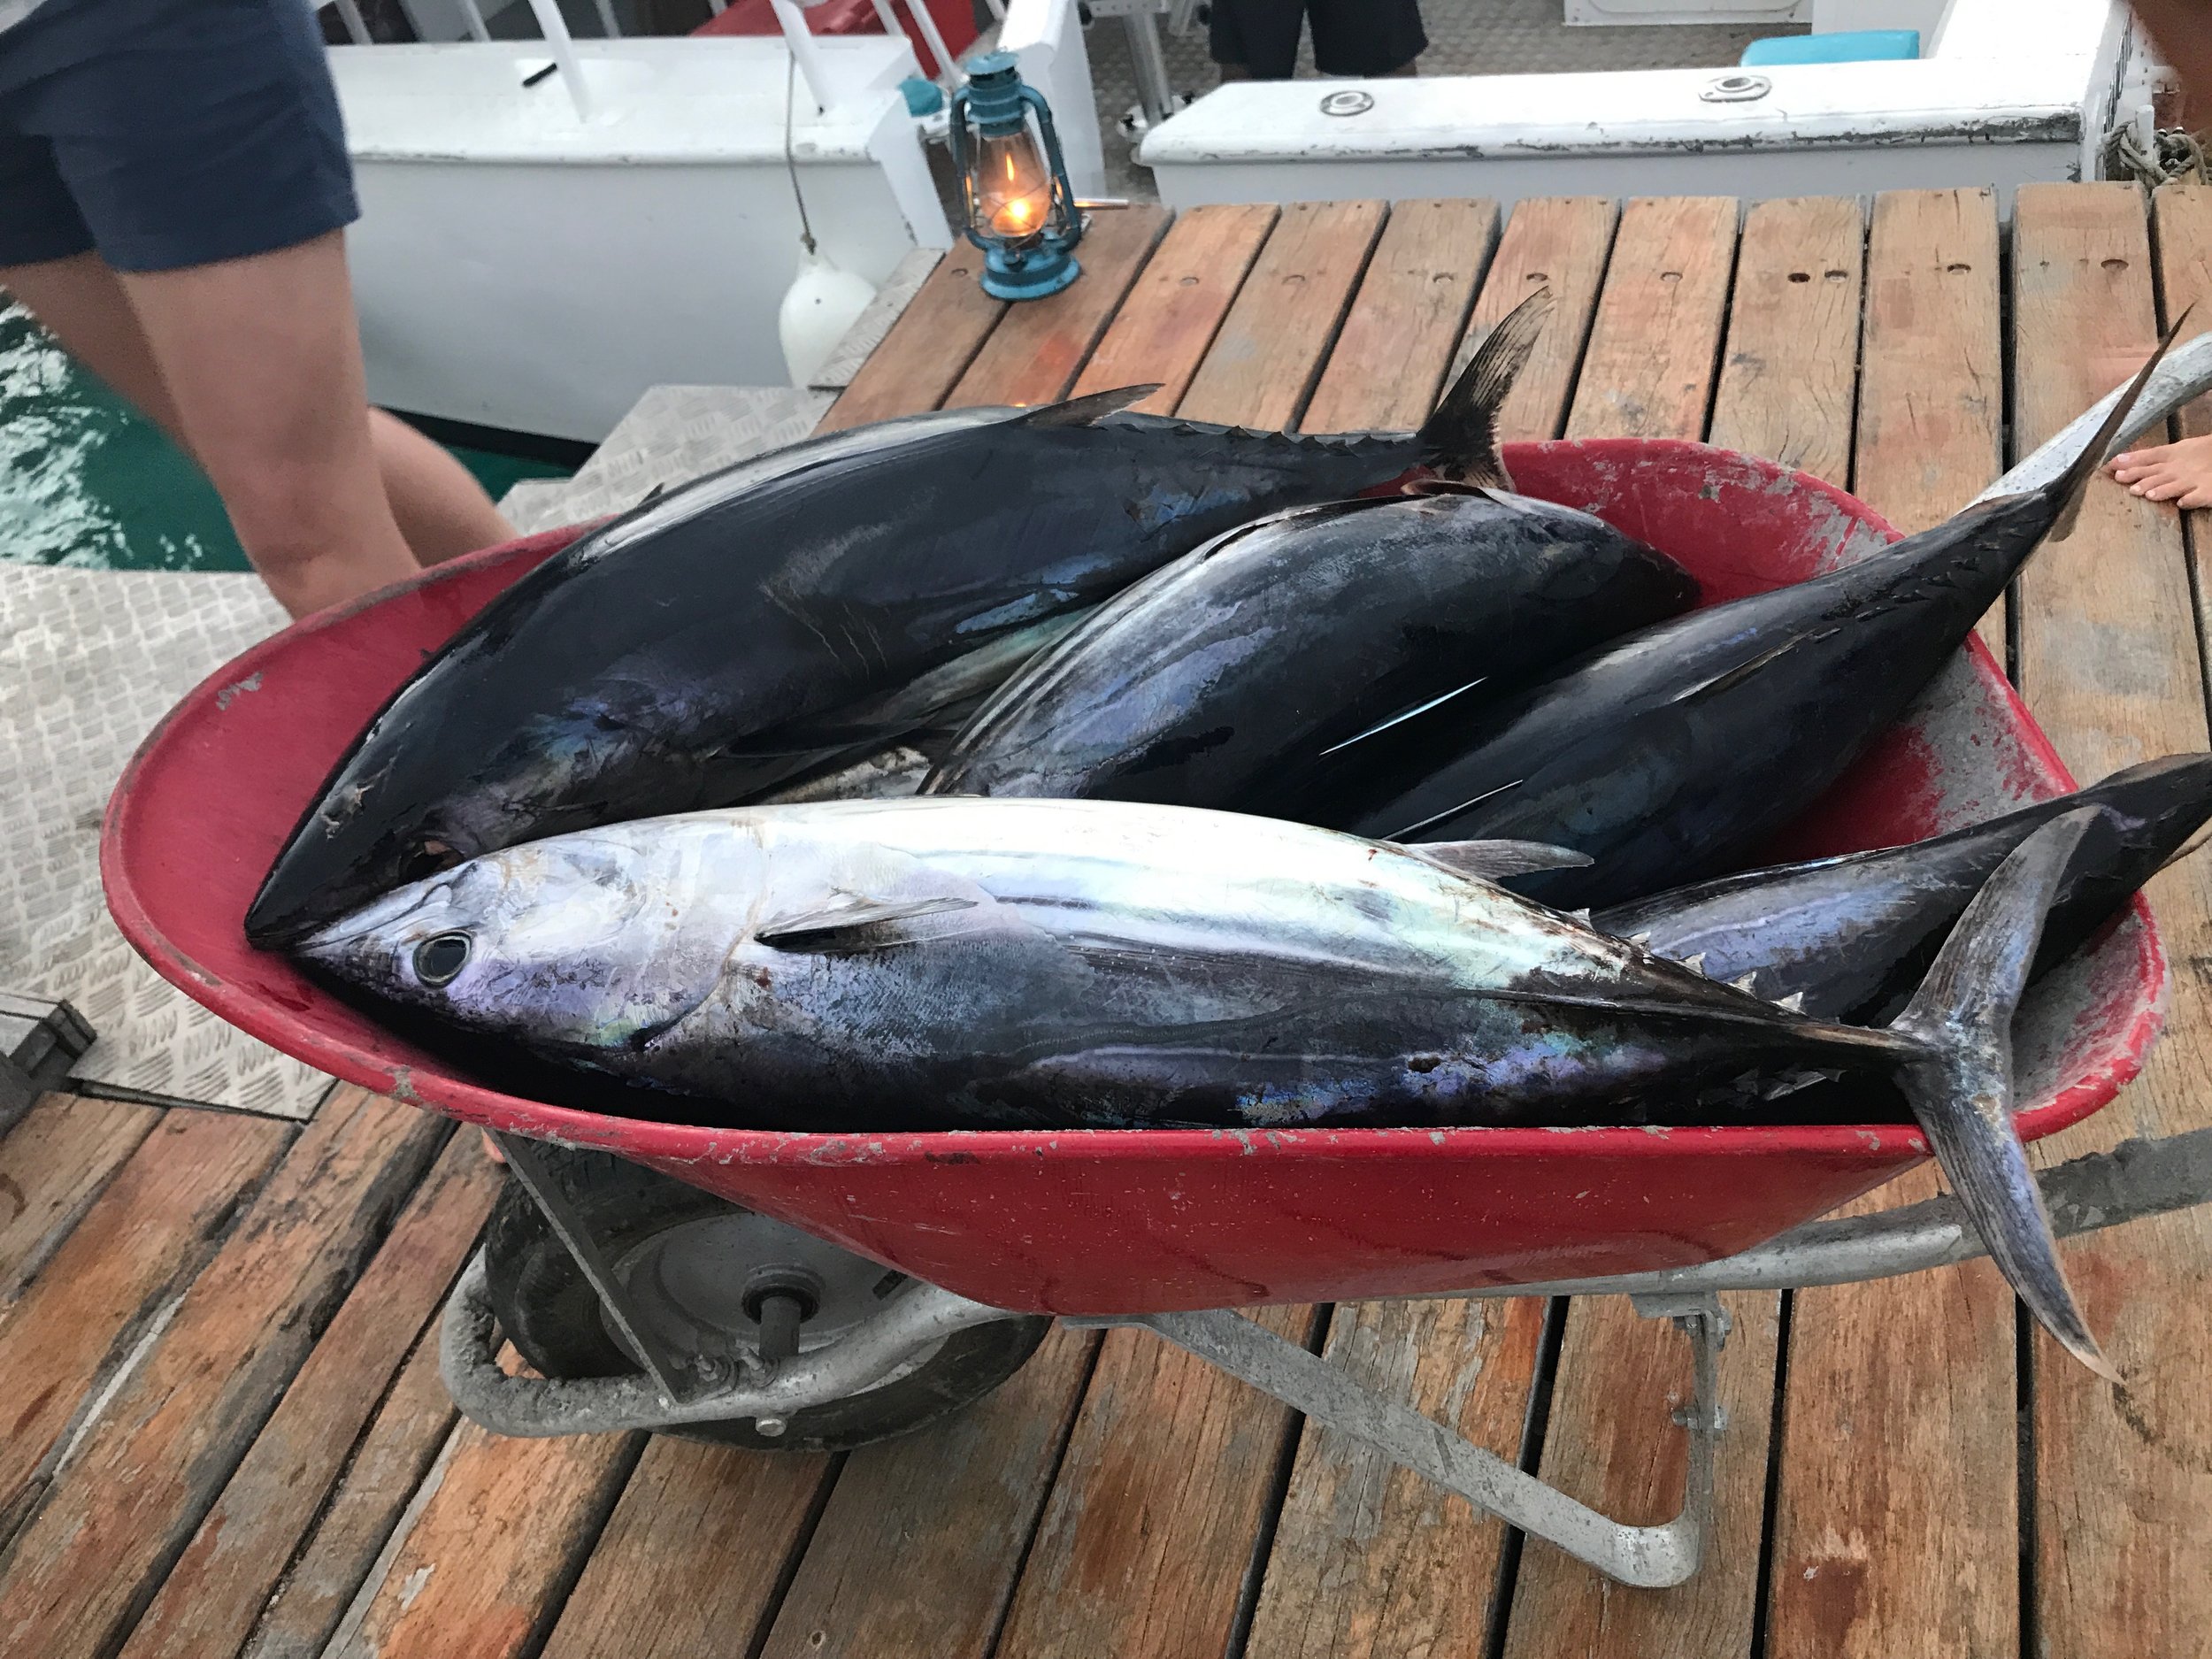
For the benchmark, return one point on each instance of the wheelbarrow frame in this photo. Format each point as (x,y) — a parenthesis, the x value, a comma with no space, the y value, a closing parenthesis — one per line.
(2137,1179)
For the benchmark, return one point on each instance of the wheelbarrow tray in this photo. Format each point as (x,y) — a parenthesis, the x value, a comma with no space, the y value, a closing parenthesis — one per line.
(1108,1222)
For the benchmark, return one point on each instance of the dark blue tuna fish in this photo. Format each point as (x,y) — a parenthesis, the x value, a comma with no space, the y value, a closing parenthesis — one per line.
(743,631)
(1669,754)
(1239,676)
(1849,938)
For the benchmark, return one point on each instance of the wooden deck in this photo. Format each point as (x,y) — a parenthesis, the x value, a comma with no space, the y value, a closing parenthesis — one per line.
(221,1428)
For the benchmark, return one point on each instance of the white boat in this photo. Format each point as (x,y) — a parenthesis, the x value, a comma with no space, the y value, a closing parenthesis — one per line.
(2005,92)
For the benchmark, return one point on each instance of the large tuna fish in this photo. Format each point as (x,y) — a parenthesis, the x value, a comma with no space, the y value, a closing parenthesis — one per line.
(736,633)
(1849,938)
(1244,674)
(955,963)
(1671,754)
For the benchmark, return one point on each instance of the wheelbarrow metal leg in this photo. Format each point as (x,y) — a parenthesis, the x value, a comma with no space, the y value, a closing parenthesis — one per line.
(525,1163)
(1650,1557)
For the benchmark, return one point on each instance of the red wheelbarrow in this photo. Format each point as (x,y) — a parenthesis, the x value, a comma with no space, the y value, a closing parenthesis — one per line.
(821,1290)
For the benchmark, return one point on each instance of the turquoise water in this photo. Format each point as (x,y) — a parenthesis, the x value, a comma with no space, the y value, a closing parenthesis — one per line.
(85,482)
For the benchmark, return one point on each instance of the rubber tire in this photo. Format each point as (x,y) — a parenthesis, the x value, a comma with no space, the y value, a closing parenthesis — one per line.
(549,1311)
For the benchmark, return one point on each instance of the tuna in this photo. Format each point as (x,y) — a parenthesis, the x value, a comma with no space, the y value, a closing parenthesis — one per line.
(1672,754)
(1849,938)
(1250,674)
(741,633)
(944,963)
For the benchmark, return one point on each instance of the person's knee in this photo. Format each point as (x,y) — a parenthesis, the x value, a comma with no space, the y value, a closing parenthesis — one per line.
(289,513)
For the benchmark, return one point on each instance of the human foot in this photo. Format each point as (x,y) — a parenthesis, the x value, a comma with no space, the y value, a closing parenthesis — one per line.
(2179,473)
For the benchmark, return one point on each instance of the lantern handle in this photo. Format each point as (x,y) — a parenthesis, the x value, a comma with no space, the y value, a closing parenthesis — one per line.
(1063,192)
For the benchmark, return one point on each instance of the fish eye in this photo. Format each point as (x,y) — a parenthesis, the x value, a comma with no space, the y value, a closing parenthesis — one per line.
(439,959)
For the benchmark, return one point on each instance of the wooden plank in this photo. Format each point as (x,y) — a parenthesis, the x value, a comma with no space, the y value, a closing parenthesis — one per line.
(929,348)
(690,1561)
(1902,1392)
(2123,1477)
(1610,1440)
(1648,373)
(1556,242)
(1157,1511)
(490,1557)
(1170,316)
(1367,1558)
(86,1565)
(1033,354)
(1790,367)
(52,1164)
(1612,1443)
(1151,1525)
(1263,363)
(1931,400)
(402,1441)
(216,1589)
(140,1241)
(1398,338)
(954,1507)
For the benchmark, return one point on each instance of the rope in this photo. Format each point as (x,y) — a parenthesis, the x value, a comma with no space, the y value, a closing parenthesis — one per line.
(2174,155)
(790,86)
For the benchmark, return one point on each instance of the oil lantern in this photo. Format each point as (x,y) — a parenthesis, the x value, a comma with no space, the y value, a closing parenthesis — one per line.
(1021,210)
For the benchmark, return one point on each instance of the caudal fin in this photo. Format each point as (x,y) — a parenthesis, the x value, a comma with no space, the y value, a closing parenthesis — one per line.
(1960,1086)
(2067,487)
(1461,439)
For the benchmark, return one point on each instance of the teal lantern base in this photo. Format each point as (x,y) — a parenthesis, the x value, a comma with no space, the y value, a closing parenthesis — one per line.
(1030,274)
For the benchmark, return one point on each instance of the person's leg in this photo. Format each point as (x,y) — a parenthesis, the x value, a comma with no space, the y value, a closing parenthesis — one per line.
(1369,39)
(263,365)
(1255,40)
(82,304)
(443,510)
(440,509)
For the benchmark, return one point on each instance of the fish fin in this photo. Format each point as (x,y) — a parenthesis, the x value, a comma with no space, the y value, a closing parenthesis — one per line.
(1581,917)
(1642,941)
(1695,964)
(845,927)
(2067,488)
(1729,678)
(1748,982)
(1794,1002)
(1086,410)
(1461,438)
(1960,1086)
(1487,861)
(653,494)
(1403,715)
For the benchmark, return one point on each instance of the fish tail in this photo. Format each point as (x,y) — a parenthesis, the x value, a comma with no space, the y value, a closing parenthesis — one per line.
(1460,440)
(1959,1080)
(2066,490)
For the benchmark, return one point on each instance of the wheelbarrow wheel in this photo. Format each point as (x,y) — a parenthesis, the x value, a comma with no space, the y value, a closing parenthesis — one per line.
(693,1266)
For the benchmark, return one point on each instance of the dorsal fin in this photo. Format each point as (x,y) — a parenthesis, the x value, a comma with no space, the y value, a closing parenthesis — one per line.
(1460,440)
(1086,410)
(1487,861)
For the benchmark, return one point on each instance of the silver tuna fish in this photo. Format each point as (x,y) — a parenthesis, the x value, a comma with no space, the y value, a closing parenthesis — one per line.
(985,963)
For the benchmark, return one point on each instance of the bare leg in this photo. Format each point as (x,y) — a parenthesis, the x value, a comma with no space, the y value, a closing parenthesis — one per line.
(438,506)
(2180,472)
(442,510)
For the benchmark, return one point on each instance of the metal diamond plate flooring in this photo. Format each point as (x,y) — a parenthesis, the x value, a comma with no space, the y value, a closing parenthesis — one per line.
(89,661)
(674,434)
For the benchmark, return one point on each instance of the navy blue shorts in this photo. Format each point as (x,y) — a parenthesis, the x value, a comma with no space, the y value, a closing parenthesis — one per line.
(167,133)
(1350,37)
